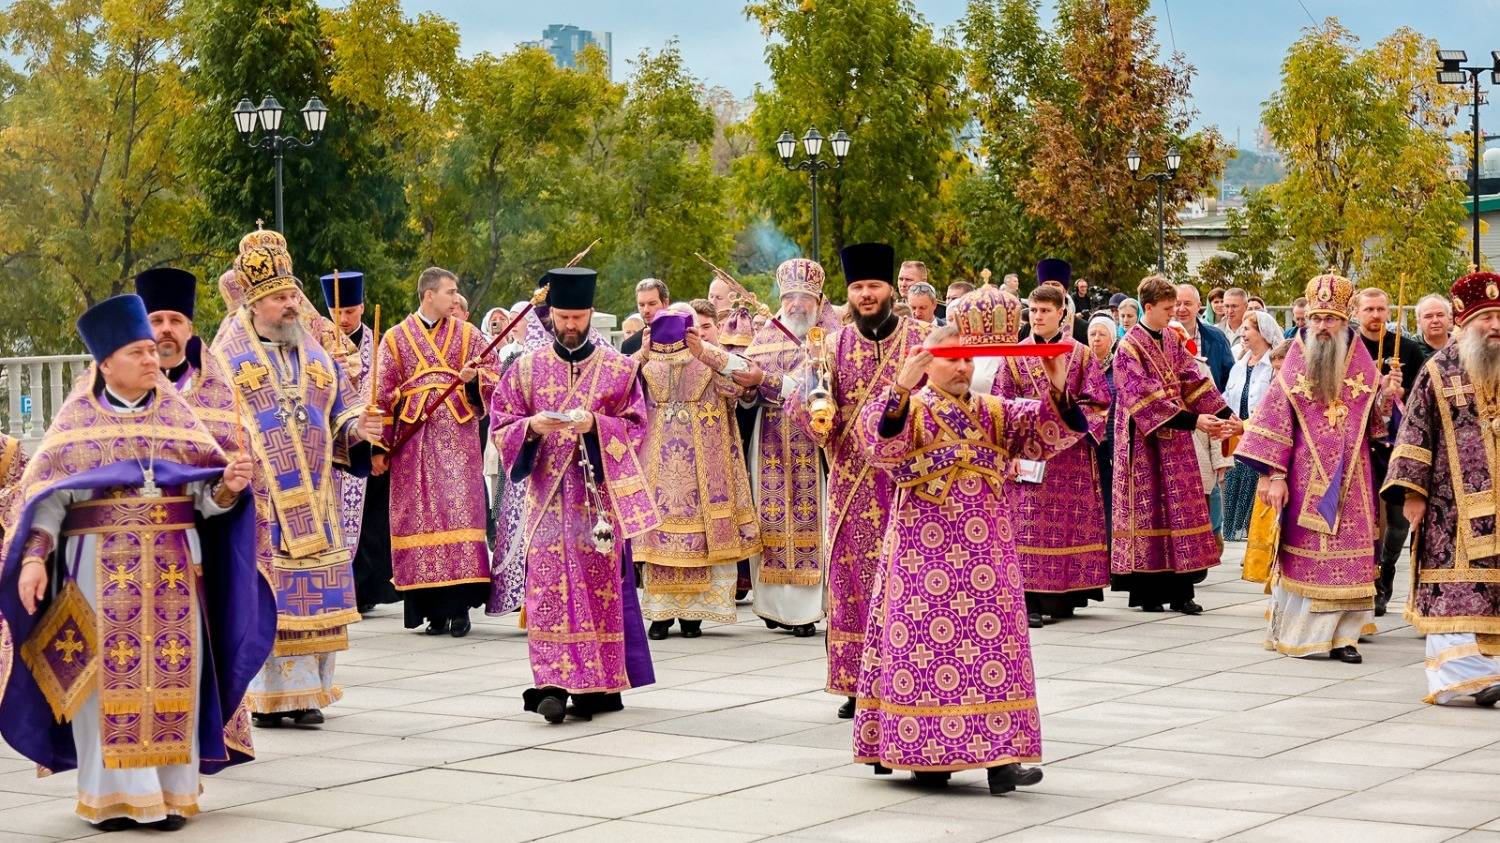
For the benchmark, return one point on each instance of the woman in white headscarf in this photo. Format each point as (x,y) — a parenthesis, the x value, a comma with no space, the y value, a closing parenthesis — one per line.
(1243,391)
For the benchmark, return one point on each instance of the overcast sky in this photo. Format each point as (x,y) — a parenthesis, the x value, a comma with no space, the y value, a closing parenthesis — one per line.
(1237,46)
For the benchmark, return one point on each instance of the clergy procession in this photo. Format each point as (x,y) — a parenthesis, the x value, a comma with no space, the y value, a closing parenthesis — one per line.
(929,489)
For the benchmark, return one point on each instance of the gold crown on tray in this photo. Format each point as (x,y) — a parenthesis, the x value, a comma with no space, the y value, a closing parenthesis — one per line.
(987,316)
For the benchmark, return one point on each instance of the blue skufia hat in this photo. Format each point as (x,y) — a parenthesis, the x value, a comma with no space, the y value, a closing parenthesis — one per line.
(351,288)
(1054,269)
(166,288)
(113,324)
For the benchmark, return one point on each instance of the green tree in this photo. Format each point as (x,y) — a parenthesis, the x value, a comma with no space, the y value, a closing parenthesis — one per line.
(94,188)
(1362,136)
(876,69)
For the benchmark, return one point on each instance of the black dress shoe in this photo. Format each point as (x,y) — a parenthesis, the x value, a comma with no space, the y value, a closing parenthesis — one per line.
(881,769)
(1380,607)
(658,630)
(459,627)
(1064,612)
(1488,697)
(846,711)
(366,608)
(740,594)
(310,717)
(931,778)
(1034,620)
(692,629)
(437,627)
(115,824)
(805,630)
(173,822)
(1152,607)
(1348,655)
(1010,776)
(267,721)
(770,624)
(553,709)
(1187,607)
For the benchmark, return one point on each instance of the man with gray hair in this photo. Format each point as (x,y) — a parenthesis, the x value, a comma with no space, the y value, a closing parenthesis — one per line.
(1434,324)
(1011,284)
(922,297)
(1236,305)
(911,272)
(651,296)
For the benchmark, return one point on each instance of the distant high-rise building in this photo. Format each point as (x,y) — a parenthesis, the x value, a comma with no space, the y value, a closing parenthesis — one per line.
(565,42)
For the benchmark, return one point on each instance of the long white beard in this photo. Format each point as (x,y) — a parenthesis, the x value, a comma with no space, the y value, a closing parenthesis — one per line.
(1480,360)
(1325,364)
(800,325)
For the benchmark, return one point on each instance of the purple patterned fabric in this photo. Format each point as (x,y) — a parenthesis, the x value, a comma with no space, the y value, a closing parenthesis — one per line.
(946,679)
(859,494)
(1328,527)
(1444,452)
(1060,537)
(349,489)
(1160,513)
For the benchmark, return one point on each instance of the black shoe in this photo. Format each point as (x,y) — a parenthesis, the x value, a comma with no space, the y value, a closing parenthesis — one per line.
(926,778)
(115,824)
(366,608)
(658,630)
(1488,697)
(459,627)
(1152,607)
(770,624)
(1187,607)
(692,629)
(740,593)
(1065,612)
(310,717)
(846,711)
(881,769)
(805,630)
(1347,655)
(173,822)
(1380,607)
(552,708)
(267,721)
(1034,620)
(437,627)
(1010,776)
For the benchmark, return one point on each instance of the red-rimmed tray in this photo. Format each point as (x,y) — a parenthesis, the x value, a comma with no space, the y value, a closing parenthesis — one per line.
(1019,349)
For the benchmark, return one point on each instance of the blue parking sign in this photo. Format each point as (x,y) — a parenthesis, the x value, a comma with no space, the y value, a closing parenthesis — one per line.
(25,405)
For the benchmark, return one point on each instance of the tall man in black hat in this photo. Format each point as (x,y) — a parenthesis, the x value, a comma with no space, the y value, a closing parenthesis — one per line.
(854,364)
(170,296)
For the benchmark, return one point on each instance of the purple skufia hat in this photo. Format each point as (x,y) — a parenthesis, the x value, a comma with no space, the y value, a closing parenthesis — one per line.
(669,332)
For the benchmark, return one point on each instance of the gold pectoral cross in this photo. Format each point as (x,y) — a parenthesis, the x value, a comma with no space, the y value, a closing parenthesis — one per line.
(1336,412)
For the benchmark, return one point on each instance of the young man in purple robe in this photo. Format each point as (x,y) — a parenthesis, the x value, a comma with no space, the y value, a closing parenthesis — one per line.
(131,589)
(1309,440)
(1060,514)
(569,419)
(854,364)
(946,681)
(1444,471)
(1163,540)
(439,548)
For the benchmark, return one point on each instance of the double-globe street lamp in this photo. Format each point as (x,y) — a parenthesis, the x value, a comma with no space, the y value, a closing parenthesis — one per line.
(268,116)
(1453,71)
(812,143)
(1174,160)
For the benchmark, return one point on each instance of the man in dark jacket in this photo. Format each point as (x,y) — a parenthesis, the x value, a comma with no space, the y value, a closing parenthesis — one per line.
(1213,346)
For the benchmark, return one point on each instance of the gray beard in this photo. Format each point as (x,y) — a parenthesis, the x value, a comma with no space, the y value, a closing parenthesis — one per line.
(800,325)
(1480,361)
(1325,365)
(284,333)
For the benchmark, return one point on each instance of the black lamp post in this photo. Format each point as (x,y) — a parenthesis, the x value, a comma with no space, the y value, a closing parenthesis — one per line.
(268,116)
(812,143)
(1453,71)
(1174,160)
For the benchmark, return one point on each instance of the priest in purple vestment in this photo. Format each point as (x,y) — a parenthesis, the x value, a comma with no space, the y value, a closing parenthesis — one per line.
(1163,541)
(1444,471)
(1309,440)
(170,296)
(439,548)
(853,364)
(1059,503)
(569,419)
(946,681)
(131,588)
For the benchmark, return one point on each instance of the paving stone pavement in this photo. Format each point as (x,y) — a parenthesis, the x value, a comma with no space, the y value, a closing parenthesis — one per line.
(1154,726)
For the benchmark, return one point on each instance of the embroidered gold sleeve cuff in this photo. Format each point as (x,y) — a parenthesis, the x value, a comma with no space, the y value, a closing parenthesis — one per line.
(224,497)
(1412,452)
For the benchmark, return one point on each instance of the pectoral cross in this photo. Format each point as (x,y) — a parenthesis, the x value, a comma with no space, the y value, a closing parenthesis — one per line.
(1336,412)
(149,489)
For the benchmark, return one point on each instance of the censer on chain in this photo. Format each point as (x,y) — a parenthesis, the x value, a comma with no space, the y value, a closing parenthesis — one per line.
(603,533)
